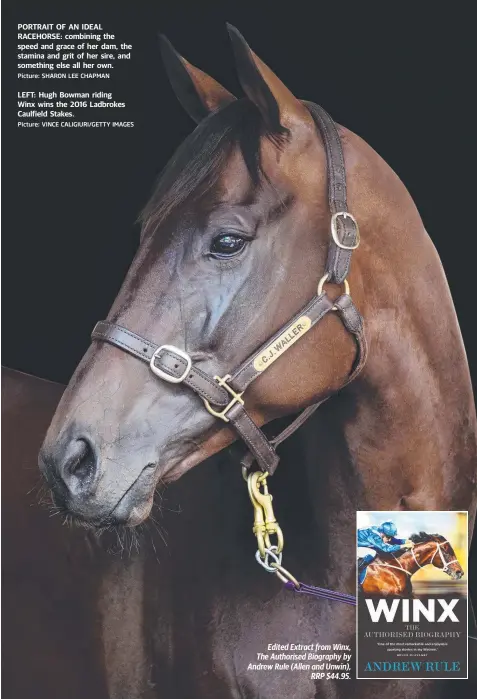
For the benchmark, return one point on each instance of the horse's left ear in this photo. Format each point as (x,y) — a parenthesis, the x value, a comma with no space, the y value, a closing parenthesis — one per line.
(198,93)
(280,109)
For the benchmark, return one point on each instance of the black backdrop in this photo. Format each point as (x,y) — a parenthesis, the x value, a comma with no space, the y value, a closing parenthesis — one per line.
(389,71)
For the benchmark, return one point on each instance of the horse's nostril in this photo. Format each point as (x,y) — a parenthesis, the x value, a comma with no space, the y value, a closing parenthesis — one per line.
(80,464)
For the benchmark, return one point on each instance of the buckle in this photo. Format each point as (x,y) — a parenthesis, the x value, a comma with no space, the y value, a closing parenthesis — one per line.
(334,230)
(163,374)
(236,398)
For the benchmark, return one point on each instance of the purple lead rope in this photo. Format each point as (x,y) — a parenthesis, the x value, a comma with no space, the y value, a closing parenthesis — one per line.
(322,592)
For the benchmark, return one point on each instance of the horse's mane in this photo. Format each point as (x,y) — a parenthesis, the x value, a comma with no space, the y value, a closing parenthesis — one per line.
(196,165)
(422,537)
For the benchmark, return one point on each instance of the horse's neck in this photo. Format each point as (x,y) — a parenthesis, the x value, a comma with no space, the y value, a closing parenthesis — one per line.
(315,491)
(409,420)
(427,553)
(405,561)
(411,429)
(386,442)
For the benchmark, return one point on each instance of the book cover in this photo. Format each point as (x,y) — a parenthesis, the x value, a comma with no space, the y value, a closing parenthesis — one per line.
(412,611)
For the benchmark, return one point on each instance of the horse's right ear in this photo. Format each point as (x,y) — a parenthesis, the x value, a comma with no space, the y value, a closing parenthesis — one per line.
(281,111)
(198,93)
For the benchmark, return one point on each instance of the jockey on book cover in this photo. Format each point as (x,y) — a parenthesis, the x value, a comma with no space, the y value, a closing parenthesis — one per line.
(382,538)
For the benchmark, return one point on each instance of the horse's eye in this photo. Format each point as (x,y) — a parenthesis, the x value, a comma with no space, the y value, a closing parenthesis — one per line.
(227,245)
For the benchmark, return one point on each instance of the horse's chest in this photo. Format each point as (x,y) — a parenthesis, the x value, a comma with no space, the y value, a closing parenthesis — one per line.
(268,649)
(244,648)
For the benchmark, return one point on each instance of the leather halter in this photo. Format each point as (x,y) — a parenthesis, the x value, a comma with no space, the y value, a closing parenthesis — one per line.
(223,396)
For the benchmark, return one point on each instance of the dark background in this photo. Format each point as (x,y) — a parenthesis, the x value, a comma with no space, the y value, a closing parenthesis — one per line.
(391,72)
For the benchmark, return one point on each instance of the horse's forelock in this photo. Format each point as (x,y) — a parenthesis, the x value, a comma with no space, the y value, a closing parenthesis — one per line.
(199,161)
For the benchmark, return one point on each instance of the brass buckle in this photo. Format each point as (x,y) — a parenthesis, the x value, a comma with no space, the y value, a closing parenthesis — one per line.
(265,522)
(334,230)
(236,398)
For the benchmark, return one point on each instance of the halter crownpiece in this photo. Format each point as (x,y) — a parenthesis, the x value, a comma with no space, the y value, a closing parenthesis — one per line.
(223,396)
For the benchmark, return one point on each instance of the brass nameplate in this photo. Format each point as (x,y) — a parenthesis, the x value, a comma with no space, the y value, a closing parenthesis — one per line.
(282,343)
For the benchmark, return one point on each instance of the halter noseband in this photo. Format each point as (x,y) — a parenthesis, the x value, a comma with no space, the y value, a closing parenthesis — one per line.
(223,396)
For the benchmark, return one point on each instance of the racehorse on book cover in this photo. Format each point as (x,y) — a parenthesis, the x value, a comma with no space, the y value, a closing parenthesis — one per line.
(234,241)
(391,573)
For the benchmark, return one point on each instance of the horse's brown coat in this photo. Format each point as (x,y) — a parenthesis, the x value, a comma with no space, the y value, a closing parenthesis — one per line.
(391,575)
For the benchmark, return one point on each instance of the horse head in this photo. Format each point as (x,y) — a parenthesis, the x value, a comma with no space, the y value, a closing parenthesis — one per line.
(434,549)
(234,240)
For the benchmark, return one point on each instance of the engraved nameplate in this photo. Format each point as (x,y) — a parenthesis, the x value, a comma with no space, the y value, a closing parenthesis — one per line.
(282,343)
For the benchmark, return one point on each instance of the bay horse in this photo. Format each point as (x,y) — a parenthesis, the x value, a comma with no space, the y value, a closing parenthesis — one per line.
(234,241)
(391,574)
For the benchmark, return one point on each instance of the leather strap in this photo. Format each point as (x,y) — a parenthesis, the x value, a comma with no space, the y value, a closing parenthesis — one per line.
(338,262)
(353,322)
(313,312)
(173,365)
(263,451)
(296,424)
(166,360)
(248,459)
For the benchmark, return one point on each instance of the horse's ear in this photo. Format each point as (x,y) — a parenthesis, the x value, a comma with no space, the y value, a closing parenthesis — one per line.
(280,109)
(198,93)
